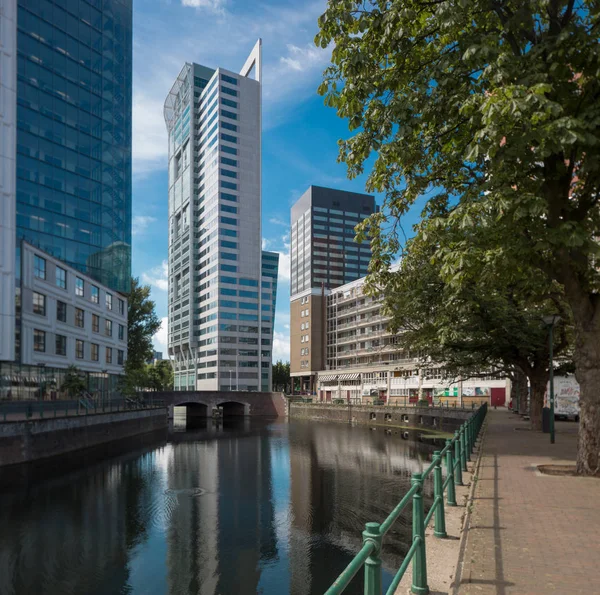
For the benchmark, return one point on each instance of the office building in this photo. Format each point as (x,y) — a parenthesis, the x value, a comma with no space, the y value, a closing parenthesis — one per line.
(218,317)
(324,255)
(8,173)
(364,361)
(72,194)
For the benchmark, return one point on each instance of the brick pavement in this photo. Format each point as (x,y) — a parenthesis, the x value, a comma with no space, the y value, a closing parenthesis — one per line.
(530,533)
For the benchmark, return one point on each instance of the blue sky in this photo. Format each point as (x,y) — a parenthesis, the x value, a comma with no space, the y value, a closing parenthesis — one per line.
(299,133)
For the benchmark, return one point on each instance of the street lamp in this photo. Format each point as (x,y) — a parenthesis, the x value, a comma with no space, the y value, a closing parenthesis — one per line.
(550,321)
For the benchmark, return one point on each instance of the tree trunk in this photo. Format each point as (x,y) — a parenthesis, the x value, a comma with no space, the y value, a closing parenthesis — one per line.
(536,402)
(587,373)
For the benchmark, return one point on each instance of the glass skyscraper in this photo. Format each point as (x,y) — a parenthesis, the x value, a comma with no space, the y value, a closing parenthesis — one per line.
(65,190)
(74,134)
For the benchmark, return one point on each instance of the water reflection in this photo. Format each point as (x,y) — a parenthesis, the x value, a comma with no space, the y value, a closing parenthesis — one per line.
(234,508)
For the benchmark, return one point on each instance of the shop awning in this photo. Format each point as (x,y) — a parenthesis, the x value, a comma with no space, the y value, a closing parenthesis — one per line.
(327,377)
(349,376)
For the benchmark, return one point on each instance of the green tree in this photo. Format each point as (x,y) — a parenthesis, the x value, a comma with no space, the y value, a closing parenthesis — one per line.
(160,375)
(478,327)
(281,376)
(142,325)
(496,107)
(74,383)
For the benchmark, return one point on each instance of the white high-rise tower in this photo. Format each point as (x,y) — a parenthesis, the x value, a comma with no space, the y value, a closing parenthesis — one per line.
(220,307)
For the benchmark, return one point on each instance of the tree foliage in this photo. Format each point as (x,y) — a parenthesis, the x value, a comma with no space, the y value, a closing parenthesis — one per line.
(281,377)
(142,325)
(480,327)
(485,107)
(160,375)
(74,383)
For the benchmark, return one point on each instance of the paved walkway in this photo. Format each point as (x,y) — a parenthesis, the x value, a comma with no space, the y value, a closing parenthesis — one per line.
(531,533)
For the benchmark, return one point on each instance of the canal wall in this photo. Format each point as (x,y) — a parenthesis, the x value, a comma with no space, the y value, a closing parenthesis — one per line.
(428,418)
(33,440)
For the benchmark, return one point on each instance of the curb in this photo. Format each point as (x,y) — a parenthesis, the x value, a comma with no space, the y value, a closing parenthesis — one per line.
(467,520)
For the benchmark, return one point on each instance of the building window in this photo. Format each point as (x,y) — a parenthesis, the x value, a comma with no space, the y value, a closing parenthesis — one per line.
(79,287)
(39,303)
(95,296)
(109,355)
(121,307)
(39,267)
(79,317)
(121,332)
(39,340)
(108,328)
(61,278)
(95,352)
(108,301)
(60,345)
(95,323)
(120,356)
(61,311)
(79,349)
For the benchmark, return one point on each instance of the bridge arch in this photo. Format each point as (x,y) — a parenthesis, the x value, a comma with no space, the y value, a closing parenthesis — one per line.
(194,409)
(233,409)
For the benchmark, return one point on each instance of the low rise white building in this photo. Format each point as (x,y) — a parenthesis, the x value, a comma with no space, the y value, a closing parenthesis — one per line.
(364,361)
(64,318)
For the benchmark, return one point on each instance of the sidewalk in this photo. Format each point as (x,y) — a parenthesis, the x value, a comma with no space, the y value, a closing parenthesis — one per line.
(530,533)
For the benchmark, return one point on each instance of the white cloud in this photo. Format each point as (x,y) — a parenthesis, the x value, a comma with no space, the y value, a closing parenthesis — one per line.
(211,5)
(305,58)
(160,339)
(281,347)
(140,223)
(279,221)
(265,244)
(158,276)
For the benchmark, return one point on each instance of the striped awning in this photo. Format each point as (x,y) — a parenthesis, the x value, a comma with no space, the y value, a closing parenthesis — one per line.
(328,377)
(349,376)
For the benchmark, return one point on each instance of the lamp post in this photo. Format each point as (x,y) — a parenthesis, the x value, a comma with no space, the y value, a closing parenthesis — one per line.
(550,321)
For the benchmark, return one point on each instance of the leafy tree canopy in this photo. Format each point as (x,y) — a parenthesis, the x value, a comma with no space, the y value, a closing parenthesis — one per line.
(488,108)
(142,324)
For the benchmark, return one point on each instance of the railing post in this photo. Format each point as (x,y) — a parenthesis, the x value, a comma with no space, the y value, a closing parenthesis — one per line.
(457,458)
(467,427)
(438,491)
(463,457)
(450,472)
(419,583)
(373,562)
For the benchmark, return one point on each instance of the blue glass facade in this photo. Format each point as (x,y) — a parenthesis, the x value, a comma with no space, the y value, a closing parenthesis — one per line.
(74,133)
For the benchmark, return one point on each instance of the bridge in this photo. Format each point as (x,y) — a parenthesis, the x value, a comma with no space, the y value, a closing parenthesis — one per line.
(204,404)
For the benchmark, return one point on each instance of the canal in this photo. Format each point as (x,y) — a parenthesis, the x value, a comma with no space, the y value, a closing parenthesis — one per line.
(238,509)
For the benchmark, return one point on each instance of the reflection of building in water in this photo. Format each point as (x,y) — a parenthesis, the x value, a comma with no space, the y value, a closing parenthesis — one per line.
(246,513)
(192,531)
(336,487)
(222,522)
(75,534)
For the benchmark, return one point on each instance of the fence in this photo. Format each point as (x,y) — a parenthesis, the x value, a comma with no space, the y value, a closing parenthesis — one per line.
(86,405)
(457,453)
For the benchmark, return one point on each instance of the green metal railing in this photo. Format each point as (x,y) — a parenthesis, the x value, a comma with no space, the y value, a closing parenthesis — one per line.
(457,453)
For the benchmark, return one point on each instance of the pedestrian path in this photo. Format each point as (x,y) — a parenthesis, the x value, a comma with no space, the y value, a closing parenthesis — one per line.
(530,533)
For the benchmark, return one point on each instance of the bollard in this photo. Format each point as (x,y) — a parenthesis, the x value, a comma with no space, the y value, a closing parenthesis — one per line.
(438,491)
(419,583)
(463,457)
(373,562)
(450,472)
(457,459)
